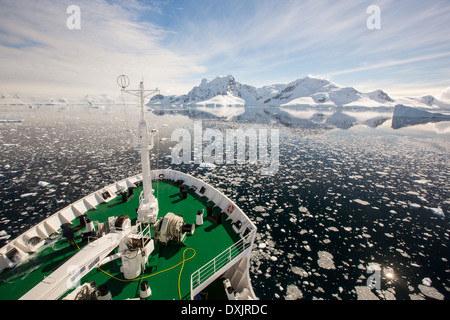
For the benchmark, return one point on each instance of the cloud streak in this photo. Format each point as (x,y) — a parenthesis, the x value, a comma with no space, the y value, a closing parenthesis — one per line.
(391,63)
(173,43)
(39,54)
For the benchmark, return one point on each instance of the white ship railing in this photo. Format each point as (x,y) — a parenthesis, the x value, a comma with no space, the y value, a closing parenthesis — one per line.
(18,249)
(201,278)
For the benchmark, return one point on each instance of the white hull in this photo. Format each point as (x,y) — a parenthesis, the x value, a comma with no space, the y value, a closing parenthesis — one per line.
(31,240)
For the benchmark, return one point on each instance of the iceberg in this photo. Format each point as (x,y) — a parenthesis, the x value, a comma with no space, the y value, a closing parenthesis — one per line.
(405,116)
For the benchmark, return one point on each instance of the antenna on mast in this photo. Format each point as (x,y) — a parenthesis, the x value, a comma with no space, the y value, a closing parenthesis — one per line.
(123,81)
(148,206)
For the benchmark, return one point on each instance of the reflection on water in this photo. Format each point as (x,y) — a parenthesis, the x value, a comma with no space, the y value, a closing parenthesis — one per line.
(352,194)
(311,118)
(399,122)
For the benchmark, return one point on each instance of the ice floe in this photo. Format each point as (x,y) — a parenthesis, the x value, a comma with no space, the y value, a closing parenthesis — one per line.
(426,282)
(43,183)
(26,195)
(325,260)
(414,205)
(362,202)
(293,293)
(262,245)
(438,211)
(4,235)
(299,271)
(365,293)
(431,292)
(339,201)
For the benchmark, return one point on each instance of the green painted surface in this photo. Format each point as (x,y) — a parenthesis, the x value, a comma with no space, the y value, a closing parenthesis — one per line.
(208,241)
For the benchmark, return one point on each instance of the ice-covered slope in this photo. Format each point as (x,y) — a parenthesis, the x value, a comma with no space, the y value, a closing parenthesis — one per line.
(402,111)
(309,91)
(306,90)
(219,91)
(426,102)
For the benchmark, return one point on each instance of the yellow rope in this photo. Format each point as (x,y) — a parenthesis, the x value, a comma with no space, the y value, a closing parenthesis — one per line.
(154,274)
(182,266)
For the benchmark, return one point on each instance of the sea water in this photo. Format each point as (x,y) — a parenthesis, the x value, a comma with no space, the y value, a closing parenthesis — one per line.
(356,210)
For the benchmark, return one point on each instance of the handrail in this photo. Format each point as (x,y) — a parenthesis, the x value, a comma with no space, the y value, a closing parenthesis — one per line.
(209,269)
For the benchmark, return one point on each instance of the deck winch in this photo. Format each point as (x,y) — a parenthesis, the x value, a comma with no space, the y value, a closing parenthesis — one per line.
(172,228)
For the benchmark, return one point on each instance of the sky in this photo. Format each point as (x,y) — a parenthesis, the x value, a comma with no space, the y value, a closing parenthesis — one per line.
(174,44)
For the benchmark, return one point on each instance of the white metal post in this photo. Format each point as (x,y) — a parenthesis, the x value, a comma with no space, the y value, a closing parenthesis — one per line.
(148,208)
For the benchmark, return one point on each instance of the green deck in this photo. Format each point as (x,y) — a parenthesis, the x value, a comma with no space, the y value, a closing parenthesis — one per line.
(208,241)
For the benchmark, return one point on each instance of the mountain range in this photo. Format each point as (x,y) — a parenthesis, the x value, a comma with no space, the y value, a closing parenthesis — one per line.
(226,91)
(307,91)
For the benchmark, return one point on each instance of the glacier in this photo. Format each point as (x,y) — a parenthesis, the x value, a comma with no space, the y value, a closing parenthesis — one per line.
(306,91)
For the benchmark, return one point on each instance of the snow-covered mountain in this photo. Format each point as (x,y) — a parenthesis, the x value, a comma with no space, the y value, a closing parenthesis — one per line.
(226,91)
(426,102)
(306,91)
(221,91)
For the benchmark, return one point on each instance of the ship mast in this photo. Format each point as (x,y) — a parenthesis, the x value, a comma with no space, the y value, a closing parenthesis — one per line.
(148,206)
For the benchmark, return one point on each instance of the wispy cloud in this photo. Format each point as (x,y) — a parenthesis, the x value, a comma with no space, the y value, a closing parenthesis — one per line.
(264,41)
(391,63)
(38,53)
(174,43)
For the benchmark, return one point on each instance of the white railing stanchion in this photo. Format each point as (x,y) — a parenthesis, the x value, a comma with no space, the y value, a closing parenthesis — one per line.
(227,256)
